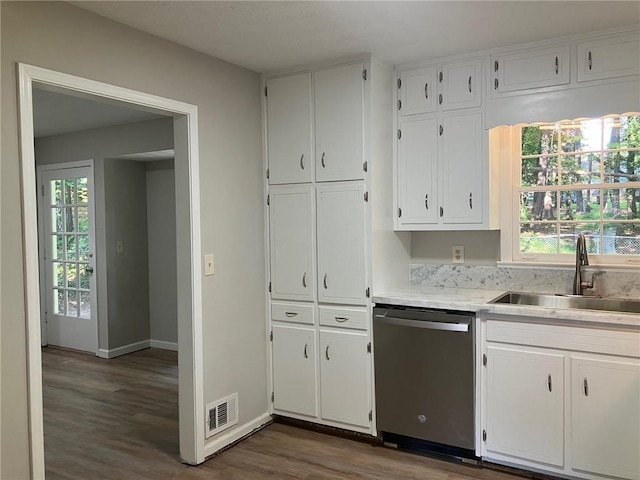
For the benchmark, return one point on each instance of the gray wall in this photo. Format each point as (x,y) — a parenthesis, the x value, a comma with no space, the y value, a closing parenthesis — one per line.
(125,186)
(480,247)
(62,37)
(161,231)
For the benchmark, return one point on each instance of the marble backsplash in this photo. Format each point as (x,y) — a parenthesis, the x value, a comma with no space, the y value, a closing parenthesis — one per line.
(618,283)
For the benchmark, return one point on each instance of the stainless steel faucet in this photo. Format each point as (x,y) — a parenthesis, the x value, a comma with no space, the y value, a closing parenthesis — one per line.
(581,259)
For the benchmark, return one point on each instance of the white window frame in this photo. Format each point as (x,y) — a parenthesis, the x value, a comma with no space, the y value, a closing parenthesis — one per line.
(509,151)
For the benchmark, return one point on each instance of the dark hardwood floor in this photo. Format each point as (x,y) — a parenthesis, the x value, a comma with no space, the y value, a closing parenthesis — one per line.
(118,419)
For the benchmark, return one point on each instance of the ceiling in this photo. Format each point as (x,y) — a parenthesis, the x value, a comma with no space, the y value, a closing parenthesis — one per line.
(265,35)
(56,114)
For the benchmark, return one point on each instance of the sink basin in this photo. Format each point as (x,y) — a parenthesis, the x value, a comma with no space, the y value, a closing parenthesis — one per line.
(569,301)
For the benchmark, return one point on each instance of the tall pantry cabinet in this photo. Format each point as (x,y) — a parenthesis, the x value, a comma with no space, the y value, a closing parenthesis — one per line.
(328,170)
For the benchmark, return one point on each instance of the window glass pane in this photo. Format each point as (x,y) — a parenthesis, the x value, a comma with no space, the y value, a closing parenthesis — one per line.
(622,132)
(541,170)
(622,166)
(69,191)
(57,219)
(83,191)
(71,275)
(56,192)
(541,139)
(583,135)
(83,219)
(83,247)
(72,303)
(580,169)
(621,238)
(569,234)
(58,274)
(69,219)
(580,204)
(538,206)
(57,247)
(538,238)
(621,204)
(85,304)
(83,275)
(71,247)
(58,302)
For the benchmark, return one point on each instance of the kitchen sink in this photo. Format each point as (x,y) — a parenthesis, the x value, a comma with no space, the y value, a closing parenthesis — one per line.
(569,301)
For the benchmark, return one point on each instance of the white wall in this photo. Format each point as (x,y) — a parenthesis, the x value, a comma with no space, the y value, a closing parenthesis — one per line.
(480,247)
(62,37)
(161,231)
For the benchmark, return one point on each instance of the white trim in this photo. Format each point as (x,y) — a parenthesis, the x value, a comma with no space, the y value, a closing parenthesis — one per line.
(191,379)
(173,346)
(119,351)
(220,442)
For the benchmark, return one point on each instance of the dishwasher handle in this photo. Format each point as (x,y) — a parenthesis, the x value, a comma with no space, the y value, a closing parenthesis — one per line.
(404,322)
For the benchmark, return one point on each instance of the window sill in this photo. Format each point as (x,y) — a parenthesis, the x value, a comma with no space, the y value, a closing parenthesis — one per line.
(569,266)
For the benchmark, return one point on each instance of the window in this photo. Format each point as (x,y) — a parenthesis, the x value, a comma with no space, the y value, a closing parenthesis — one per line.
(580,176)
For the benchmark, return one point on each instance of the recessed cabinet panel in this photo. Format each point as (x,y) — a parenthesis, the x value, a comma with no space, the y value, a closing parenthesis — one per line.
(609,57)
(462,168)
(344,377)
(605,405)
(541,67)
(418,91)
(294,370)
(291,239)
(339,112)
(418,172)
(461,85)
(289,129)
(341,254)
(525,404)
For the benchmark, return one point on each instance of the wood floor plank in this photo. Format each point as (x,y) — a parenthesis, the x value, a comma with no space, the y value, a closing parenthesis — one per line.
(117,419)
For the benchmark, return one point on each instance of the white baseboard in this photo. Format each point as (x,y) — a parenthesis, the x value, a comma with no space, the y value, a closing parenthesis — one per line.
(164,345)
(116,352)
(223,440)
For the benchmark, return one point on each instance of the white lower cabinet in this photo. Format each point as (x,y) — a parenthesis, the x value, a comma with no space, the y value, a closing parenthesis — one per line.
(605,407)
(294,370)
(344,377)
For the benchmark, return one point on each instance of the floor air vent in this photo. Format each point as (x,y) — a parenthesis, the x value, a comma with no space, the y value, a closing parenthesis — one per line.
(222,414)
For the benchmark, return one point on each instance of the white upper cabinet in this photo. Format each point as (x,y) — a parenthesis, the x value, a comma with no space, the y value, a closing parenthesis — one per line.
(418,91)
(418,172)
(341,244)
(462,169)
(533,68)
(605,406)
(339,114)
(610,57)
(461,84)
(289,129)
(291,242)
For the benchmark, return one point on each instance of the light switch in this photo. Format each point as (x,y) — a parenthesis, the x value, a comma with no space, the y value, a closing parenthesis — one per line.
(457,254)
(119,246)
(208,264)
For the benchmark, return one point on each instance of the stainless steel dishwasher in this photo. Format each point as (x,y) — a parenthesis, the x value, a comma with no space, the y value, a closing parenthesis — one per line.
(424,378)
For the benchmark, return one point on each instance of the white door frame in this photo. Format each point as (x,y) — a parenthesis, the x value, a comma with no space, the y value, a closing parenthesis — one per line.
(40,170)
(190,348)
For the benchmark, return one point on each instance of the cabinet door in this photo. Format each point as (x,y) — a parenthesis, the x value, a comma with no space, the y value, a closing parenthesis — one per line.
(605,405)
(289,131)
(341,265)
(609,57)
(461,85)
(541,67)
(462,160)
(344,377)
(418,91)
(525,401)
(418,172)
(294,370)
(291,242)
(339,107)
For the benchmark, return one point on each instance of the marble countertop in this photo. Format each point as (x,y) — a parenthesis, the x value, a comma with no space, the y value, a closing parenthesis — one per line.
(476,300)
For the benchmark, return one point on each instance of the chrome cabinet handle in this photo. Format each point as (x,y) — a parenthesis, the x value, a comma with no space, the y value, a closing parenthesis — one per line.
(441,130)
(305,351)
(426,201)
(495,84)
(441,211)
(585,386)
(326,353)
(495,66)
(426,91)
(291,314)
(341,319)
(549,382)
(590,60)
(322,160)
(304,279)
(440,99)
(471,200)
(557,65)
(469,83)
(302,161)
(324,282)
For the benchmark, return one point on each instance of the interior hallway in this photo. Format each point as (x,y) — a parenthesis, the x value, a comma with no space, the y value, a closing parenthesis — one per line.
(118,419)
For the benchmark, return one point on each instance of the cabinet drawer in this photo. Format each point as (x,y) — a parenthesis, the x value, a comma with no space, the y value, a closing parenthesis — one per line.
(343,317)
(593,340)
(292,312)
(609,58)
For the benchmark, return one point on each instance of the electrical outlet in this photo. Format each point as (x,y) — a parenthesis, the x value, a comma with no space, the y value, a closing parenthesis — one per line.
(208,264)
(457,253)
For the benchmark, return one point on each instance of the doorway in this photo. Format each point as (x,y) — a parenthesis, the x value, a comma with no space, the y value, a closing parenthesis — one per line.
(190,357)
